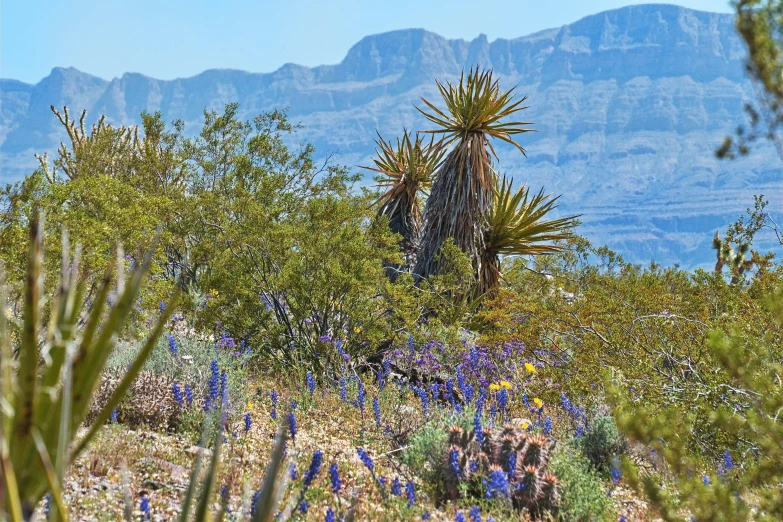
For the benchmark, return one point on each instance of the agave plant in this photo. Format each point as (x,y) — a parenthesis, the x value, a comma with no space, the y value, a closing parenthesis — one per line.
(405,169)
(46,392)
(463,185)
(517,225)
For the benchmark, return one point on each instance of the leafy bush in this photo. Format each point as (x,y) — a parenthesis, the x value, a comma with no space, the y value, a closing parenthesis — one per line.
(583,496)
(747,482)
(601,442)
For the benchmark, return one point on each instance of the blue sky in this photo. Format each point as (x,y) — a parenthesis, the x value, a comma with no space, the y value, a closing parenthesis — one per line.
(178,38)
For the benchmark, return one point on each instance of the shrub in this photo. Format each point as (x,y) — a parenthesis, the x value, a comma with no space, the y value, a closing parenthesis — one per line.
(583,496)
(601,442)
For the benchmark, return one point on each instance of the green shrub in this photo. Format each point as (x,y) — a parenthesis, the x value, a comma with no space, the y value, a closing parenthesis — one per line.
(601,442)
(583,496)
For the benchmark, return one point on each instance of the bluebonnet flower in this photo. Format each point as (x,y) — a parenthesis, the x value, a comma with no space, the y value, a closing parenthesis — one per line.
(376,408)
(273,413)
(225,497)
(425,402)
(343,391)
(454,461)
(707,480)
(334,477)
(503,400)
(177,393)
(425,515)
(382,481)
(579,431)
(254,502)
(615,472)
(248,422)
(548,426)
(460,517)
(162,307)
(315,468)
(144,507)
(410,493)
(435,390)
(475,514)
(497,484)
(461,384)
(303,507)
(173,345)
(411,346)
(396,488)
(386,368)
(113,417)
(728,463)
(292,424)
(188,394)
(223,383)
(468,393)
(525,400)
(329,515)
(450,391)
(310,380)
(473,466)
(493,411)
(360,395)
(366,460)
(292,472)
(512,464)
(477,428)
(47,505)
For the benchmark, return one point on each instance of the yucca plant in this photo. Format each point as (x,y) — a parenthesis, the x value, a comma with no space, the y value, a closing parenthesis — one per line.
(517,225)
(199,496)
(47,389)
(405,169)
(463,185)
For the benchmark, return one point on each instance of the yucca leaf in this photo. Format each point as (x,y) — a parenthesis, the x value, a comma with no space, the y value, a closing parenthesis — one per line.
(11,486)
(59,511)
(268,499)
(138,363)
(208,488)
(190,493)
(26,395)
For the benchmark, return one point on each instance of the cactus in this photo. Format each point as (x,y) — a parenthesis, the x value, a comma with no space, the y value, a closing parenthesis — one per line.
(521,457)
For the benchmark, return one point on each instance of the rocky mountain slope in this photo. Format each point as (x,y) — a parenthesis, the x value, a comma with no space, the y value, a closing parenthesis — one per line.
(629,105)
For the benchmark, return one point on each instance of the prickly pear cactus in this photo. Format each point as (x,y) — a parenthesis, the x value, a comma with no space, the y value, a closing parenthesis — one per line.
(503,463)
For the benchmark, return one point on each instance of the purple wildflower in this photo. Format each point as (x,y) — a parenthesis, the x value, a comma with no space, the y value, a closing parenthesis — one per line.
(173,345)
(497,484)
(410,493)
(177,393)
(315,468)
(334,477)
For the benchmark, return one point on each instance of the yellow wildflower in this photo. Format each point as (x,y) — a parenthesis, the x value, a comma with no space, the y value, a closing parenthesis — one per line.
(538,402)
(530,368)
(249,405)
(494,387)
(505,384)
(358,329)
(525,425)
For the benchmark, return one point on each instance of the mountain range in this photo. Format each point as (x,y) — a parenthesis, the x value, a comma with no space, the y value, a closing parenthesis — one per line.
(629,106)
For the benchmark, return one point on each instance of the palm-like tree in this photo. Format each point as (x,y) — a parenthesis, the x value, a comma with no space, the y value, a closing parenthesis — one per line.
(463,186)
(517,225)
(405,169)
